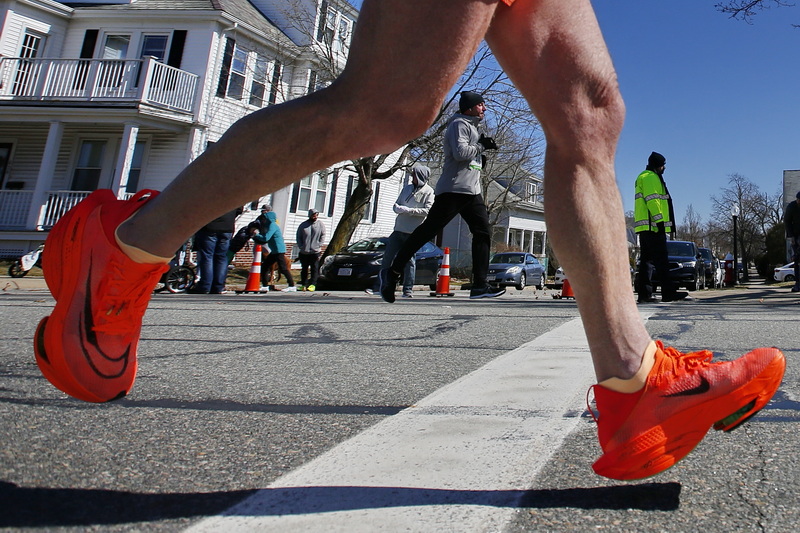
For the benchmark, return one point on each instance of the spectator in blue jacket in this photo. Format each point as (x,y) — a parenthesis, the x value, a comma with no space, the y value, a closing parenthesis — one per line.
(273,239)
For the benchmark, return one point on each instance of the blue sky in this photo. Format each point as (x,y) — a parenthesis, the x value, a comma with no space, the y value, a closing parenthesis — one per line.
(715,95)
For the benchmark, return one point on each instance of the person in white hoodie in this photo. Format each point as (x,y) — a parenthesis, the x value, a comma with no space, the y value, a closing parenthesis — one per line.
(412,206)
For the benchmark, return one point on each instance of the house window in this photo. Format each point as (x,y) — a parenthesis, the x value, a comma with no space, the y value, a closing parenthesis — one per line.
(111,72)
(31,45)
(515,237)
(371,211)
(154,45)
(116,46)
(344,34)
(136,167)
(258,87)
(311,191)
(238,73)
(89,165)
(25,77)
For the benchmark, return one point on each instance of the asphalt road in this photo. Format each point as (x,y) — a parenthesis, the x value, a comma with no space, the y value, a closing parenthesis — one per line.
(238,393)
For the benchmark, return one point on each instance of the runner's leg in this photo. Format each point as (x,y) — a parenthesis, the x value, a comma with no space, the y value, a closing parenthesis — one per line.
(554,53)
(404,58)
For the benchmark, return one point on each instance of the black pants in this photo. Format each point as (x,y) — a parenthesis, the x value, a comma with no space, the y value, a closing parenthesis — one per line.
(444,209)
(653,258)
(309,268)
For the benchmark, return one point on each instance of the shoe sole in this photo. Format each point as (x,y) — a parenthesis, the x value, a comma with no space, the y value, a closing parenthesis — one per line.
(58,274)
(661,447)
(487,295)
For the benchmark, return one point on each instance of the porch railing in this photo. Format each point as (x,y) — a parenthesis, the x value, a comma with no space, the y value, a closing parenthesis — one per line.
(15,207)
(98,80)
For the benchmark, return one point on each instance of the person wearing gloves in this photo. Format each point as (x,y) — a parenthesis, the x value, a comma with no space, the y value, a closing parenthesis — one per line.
(654,220)
(458,192)
(273,239)
(412,206)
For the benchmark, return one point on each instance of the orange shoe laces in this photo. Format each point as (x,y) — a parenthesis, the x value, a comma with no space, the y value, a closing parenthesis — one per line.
(124,300)
(674,363)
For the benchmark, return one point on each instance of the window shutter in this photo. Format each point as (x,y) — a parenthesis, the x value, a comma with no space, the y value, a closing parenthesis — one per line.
(224,73)
(334,185)
(323,18)
(176,48)
(350,181)
(295,198)
(375,201)
(89,42)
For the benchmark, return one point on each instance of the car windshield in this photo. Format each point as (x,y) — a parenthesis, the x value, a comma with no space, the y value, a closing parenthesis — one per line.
(706,253)
(508,259)
(366,245)
(683,249)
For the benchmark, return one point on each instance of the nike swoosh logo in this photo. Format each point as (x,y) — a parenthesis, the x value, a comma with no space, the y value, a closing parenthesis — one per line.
(88,337)
(703,387)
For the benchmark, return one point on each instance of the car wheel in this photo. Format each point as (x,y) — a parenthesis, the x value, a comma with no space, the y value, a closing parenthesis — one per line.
(788,277)
(540,285)
(433,287)
(522,281)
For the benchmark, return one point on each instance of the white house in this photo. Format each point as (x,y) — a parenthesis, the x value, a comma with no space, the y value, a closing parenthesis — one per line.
(122,94)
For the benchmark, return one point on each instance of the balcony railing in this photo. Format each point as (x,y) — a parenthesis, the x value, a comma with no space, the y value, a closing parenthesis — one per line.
(98,80)
(15,207)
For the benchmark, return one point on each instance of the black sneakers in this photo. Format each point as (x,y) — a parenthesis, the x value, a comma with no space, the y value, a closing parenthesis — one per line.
(486,292)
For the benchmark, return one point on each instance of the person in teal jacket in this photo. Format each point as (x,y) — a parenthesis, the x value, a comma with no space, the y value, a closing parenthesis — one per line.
(273,239)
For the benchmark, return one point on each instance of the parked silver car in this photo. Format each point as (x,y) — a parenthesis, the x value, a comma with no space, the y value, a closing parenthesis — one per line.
(516,268)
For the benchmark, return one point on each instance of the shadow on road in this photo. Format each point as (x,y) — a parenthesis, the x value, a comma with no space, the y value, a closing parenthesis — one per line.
(41,507)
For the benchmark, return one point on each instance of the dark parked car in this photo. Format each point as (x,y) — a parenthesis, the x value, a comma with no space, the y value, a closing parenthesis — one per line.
(713,268)
(686,266)
(357,266)
(516,268)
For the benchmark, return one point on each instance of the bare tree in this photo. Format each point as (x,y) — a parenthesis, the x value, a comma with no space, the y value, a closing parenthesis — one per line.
(692,228)
(747,9)
(756,214)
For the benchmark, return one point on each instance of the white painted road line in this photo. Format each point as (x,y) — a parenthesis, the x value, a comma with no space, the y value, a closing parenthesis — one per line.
(460,460)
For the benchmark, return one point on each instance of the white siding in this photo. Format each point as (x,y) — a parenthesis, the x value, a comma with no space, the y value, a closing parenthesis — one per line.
(25,17)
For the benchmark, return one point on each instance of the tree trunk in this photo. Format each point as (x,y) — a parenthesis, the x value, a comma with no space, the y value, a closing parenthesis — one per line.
(354,209)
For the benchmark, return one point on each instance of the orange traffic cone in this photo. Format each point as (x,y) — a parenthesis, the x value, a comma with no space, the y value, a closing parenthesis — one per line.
(566,291)
(254,279)
(443,280)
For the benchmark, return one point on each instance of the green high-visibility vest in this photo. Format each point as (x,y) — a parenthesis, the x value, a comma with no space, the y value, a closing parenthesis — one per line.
(651,203)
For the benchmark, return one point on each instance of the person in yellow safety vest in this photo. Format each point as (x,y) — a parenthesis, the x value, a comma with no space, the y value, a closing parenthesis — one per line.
(654,218)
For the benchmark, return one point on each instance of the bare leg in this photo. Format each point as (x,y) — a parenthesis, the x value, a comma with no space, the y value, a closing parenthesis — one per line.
(404,58)
(554,53)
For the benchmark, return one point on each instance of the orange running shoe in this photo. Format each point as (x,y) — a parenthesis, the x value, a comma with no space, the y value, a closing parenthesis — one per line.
(648,431)
(87,346)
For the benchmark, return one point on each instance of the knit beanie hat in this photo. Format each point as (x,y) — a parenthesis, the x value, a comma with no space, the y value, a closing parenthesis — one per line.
(656,160)
(468,100)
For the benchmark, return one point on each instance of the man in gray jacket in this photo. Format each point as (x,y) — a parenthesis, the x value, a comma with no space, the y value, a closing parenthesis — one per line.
(412,206)
(458,192)
(310,236)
